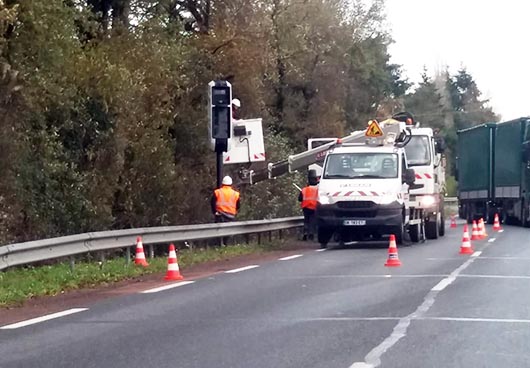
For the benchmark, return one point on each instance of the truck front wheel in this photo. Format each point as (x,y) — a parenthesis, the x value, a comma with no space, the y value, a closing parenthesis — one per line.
(399,233)
(431,229)
(324,236)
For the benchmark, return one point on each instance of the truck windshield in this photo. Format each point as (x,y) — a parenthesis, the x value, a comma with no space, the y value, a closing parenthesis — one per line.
(418,151)
(361,165)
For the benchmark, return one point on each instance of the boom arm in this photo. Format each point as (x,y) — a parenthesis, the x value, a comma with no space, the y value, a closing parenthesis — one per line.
(297,161)
(309,157)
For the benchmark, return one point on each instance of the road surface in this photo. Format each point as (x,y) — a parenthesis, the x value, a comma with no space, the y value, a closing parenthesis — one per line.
(337,308)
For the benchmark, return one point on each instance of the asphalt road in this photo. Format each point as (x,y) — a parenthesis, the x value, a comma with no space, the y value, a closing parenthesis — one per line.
(338,308)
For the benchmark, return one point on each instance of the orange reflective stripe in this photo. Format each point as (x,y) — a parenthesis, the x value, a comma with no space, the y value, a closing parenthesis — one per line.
(226,200)
(310,197)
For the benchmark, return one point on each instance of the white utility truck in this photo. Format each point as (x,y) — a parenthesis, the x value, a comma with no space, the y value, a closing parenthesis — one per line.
(364,188)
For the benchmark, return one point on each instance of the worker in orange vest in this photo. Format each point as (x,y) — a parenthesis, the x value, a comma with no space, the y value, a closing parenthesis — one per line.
(308,198)
(225,201)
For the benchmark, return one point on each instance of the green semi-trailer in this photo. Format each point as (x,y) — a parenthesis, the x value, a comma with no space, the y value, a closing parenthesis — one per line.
(493,162)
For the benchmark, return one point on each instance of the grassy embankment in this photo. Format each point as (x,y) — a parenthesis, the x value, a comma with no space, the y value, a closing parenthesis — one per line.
(20,284)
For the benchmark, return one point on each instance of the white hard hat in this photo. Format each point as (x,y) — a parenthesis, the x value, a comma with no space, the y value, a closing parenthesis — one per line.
(236,102)
(227,180)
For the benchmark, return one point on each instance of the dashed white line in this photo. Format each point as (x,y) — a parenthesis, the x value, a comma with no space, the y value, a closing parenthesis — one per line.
(290,257)
(491,240)
(321,250)
(457,319)
(242,269)
(366,276)
(501,231)
(477,254)
(442,284)
(42,319)
(507,277)
(373,358)
(166,287)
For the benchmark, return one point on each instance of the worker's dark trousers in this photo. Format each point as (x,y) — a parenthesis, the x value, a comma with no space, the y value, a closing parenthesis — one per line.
(309,223)
(222,218)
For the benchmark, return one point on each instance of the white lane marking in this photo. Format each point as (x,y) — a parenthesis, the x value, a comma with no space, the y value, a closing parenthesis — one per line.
(242,269)
(442,284)
(166,287)
(507,258)
(362,365)
(491,240)
(497,277)
(477,254)
(321,250)
(373,358)
(501,231)
(353,319)
(365,276)
(457,319)
(43,318)
(290,257)
(445,259)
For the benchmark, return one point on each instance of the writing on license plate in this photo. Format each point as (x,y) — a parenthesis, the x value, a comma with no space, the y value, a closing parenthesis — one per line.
(354,222)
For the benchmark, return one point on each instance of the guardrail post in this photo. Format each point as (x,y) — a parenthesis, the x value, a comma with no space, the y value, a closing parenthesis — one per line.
(259,238)
(270,236)
(280,232)
(128,255)
(247,238)
(72,263)
(151,251)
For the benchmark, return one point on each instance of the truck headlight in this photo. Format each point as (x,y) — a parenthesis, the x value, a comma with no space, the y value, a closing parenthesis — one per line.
(427,201)
(323,199)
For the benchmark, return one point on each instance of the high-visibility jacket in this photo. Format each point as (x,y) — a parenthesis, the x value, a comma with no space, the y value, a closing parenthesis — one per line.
(226,200)
(310,197)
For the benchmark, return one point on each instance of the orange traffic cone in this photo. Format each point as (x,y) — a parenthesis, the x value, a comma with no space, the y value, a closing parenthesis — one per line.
(496,223)
(139,259)
(475,235)
(453,221)
(482,229)
(393,259)
(173,272)
(466,247)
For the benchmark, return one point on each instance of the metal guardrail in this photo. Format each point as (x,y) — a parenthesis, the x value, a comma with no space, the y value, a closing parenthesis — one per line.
(451,200)
(47,249)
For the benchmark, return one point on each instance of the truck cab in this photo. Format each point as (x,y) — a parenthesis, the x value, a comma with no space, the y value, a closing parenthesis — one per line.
(424,155)
(364,191)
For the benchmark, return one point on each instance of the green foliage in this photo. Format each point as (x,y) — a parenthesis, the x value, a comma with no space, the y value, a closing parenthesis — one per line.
(451,186)
(102,102)
(448,103)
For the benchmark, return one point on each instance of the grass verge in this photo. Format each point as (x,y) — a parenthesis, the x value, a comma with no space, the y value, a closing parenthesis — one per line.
(19,284)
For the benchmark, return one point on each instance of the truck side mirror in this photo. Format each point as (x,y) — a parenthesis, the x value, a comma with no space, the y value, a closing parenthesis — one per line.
(439,145)
(409,176)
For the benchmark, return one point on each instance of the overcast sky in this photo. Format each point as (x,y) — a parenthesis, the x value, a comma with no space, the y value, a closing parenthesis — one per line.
(490,37)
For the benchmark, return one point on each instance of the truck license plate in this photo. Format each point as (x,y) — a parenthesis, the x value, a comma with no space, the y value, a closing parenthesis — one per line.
(354,222)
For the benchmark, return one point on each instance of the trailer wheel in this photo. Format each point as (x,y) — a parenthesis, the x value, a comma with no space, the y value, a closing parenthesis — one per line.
(324,235)
(524,219)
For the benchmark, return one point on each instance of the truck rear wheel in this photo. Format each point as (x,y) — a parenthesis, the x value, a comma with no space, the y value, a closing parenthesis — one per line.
(441,230)
(324,235)
(415,233)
